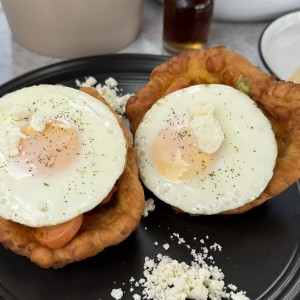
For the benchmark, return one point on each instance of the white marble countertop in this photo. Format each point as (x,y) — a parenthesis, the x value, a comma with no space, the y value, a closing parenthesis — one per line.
(243,38)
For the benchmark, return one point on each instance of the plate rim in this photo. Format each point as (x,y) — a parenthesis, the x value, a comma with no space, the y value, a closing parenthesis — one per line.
(61,67)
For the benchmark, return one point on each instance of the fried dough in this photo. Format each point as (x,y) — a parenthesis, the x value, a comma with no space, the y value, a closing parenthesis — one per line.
(279,100)
(104,226)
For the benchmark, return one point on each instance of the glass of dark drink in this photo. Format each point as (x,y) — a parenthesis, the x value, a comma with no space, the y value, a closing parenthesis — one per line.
(186,24)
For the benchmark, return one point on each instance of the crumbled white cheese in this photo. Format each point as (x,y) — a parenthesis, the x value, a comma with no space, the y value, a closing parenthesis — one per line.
(215,247)
(167,279)
(10,137)
(117,294)
(166,246)
(111,82)
(180,239)
(109,91)
(90,81)
(149,206)
(38,122)
(137,297)
(149,263)
(205,128)
(205,250)
(239,296)
(19,112)
(205,108)
(232,287)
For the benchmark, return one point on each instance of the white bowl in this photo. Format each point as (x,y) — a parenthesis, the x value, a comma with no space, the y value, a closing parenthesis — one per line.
(253,10)
(279,46)
(74,28)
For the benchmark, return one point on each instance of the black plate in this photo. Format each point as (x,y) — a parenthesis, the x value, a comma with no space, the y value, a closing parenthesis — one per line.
(260,249)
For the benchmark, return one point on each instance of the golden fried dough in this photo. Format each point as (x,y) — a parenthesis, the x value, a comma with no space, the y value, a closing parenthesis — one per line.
(279,100)
(105,225)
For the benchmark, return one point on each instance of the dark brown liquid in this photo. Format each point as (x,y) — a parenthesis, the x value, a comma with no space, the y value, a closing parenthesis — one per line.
(186,23)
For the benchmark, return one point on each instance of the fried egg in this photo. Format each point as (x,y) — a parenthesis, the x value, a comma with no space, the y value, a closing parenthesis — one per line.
(61,152)
(205,149)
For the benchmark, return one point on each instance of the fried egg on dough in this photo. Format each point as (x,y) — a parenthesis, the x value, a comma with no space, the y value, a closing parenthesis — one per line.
(102,225)
(216,70)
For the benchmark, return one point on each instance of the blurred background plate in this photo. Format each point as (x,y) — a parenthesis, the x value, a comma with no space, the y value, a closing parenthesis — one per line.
(279,45)
(254,10)
(250,11)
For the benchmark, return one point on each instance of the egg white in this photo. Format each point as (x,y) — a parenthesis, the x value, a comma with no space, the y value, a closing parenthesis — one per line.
(53,199)
(244,162)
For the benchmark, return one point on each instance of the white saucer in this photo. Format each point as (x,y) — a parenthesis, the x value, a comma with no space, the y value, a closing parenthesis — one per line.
(279,45)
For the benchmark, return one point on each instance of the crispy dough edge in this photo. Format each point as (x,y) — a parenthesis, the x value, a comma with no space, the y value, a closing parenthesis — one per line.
(102,227)
(279,100)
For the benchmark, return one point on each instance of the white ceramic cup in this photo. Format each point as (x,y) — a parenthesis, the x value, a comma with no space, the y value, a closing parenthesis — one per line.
(74,28)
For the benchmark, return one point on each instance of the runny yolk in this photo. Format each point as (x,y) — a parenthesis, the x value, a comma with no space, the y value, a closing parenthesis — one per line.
(50,151)
(176,156)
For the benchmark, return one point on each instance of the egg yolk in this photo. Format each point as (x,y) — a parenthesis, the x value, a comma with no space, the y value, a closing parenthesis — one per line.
(176,156)
(50,151)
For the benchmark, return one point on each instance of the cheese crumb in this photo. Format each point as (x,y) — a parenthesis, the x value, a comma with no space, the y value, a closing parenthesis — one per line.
(239,296)
(19,112)
(38,122)
(166,246)
(109,91)
(149,206)
(117,294)
(215,247)
(111,82)
(90,81)
(180,239)
(10,137)
(206,128)
(232,287)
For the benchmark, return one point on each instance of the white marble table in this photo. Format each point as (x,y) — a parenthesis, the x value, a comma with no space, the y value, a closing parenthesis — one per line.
(240,37)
